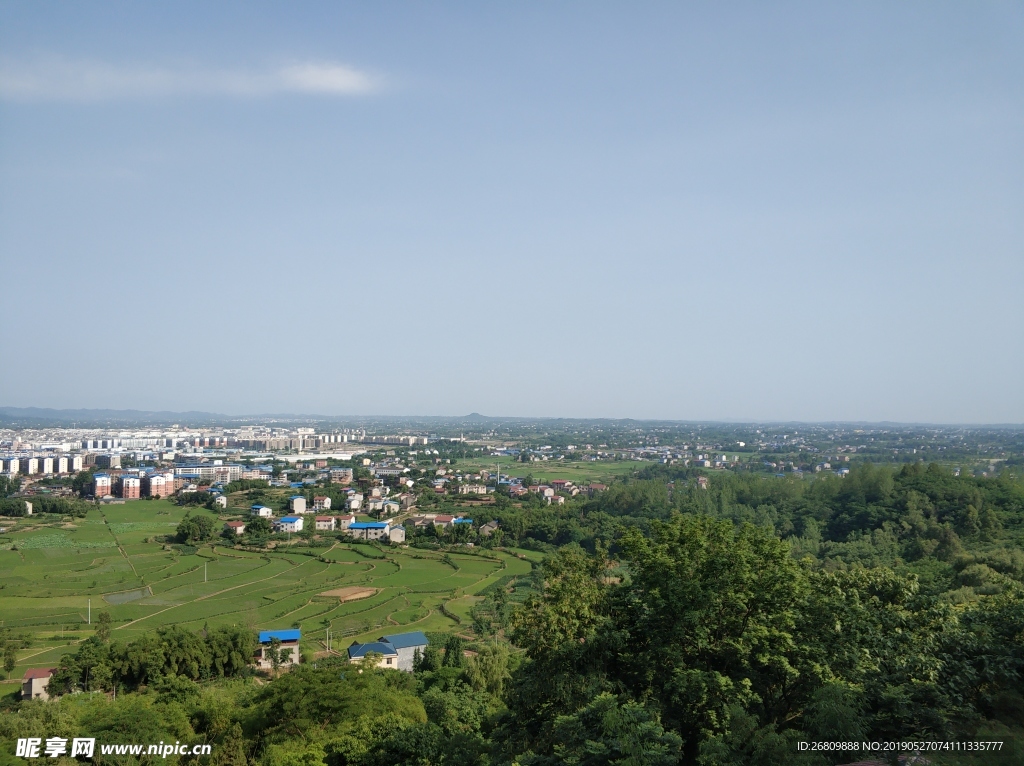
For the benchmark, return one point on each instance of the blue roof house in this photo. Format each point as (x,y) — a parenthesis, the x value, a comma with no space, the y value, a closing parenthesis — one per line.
(397,651)
(289,649)
(289,524)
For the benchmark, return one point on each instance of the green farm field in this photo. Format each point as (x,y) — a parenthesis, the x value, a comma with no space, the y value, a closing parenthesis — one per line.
(578,471)
(117,559)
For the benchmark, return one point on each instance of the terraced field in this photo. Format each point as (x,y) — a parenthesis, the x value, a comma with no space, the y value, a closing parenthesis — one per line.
(117,559)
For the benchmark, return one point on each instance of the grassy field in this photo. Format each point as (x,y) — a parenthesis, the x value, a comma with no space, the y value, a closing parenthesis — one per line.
(117,559)
(579,472)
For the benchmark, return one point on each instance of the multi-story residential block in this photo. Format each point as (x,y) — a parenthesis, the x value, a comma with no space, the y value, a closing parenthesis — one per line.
(210,472)
(158,485)
(30,466)
(131,487)
(108,461)
(101,485)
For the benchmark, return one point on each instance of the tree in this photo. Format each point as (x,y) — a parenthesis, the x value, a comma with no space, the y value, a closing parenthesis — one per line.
(274,653)
(258,526)
(10,658)
(607,732)
(82,483)
(489,670)
(193,529)
(453,652)
(429,661)
(330,693)
(9,485)
(103,627)
(232,748)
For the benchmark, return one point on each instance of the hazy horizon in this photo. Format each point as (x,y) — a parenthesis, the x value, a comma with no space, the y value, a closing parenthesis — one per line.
(724,213)
(4,410)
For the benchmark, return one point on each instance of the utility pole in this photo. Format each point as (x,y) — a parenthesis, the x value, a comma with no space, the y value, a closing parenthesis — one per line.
(204,571)
(90,613)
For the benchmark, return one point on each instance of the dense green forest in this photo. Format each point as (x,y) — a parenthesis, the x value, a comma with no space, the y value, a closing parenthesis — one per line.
(713,622)
(961,536)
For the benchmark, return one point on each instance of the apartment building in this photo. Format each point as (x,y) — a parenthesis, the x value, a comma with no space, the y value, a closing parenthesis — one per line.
(101,484)
(159,485)
(131,487)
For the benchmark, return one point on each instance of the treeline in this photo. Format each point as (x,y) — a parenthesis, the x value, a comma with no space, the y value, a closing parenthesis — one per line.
(15,506)
(321,712)
(101,664)
(241,485)
(924,518)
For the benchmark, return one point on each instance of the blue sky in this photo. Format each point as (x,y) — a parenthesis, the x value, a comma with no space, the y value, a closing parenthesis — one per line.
(806,211)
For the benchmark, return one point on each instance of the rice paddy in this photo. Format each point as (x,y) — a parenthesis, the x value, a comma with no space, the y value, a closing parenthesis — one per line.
(56,575)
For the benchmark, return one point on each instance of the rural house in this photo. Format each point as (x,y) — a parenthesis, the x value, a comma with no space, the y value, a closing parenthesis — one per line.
(33,683)
(397,651)
(369,530)
(289,524)
(288,651)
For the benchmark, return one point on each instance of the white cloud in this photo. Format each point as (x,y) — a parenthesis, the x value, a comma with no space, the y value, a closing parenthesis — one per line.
(63,80)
